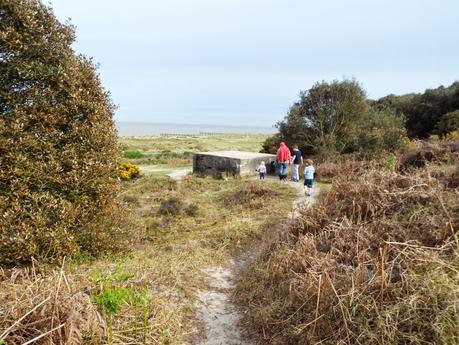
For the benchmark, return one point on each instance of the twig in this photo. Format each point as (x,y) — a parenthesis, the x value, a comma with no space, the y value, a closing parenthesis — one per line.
(317,305)
(341,307)
(5,333)
(42,335)
(413,245)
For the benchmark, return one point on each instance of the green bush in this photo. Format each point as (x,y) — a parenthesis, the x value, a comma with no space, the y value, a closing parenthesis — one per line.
(448,123)
(380,131)
(58,142)
(133,154)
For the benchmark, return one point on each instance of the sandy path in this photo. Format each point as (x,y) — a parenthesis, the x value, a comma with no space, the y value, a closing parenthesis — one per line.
(220,316)
(176,174)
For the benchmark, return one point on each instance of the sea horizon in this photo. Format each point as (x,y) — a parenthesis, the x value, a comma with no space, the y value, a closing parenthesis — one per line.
(163,128)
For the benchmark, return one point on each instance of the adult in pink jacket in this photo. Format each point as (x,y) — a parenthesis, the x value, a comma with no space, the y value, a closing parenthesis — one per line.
(283,160)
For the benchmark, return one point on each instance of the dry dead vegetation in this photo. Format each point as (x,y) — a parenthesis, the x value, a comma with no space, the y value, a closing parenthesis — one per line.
(147,296)
(376,261)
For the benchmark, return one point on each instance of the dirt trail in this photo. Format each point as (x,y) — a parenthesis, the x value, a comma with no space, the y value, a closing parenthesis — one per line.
(176,174)
(220,316)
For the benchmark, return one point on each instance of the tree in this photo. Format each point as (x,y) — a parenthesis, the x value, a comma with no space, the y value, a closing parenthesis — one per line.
(58,144)
(332,112)
(326,118)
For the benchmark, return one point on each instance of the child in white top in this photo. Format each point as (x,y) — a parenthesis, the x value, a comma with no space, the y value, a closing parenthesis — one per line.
(262,170)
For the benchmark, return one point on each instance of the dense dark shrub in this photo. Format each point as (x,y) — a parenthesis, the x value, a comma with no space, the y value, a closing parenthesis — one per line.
(431,112)
(171,206)
(380,131)
(58,145)
(448,122)
(438,152)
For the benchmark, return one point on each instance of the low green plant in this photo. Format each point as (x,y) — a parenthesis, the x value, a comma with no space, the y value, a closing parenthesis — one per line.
(111,299)
(133,154)
(390,162)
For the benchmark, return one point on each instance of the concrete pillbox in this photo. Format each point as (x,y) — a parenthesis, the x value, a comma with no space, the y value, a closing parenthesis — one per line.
(237,163)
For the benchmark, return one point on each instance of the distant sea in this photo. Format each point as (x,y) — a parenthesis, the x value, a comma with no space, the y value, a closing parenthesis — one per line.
(145,129)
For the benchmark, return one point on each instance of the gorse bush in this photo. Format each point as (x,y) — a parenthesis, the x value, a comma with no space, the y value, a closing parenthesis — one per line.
(128,171)
(58,144)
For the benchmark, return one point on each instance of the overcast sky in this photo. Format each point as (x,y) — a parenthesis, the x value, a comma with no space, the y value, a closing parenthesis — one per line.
(243,62)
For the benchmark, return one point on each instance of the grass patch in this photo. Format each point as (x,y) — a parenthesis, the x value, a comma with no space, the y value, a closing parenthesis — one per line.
(133,154)
(242,142)
(178,151)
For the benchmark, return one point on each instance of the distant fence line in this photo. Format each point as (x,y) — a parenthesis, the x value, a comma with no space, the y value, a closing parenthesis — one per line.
(201,134)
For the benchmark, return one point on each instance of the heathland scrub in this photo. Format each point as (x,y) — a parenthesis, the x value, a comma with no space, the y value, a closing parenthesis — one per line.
(149,295)
(194,224)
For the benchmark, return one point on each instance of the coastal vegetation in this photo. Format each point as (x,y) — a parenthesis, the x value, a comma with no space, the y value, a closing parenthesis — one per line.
(58,148)
(337,118)
(376,261)
(169,152)
(148,295)
(93,250)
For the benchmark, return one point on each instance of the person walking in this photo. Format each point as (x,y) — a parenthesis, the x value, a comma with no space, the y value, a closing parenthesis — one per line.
(283,159)
(308,177)
(297,160)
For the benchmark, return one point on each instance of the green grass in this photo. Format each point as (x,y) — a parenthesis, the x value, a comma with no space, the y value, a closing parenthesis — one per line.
(133,154)
(250,142)
(169,153)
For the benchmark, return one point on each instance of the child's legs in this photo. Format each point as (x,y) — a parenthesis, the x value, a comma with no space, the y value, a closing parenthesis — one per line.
(308,185)
(295,173)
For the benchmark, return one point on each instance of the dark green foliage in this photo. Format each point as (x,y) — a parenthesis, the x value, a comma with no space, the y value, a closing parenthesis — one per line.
(448,122)
(271,144)
(58,145)
(331,114)
(424,112)
(381,130)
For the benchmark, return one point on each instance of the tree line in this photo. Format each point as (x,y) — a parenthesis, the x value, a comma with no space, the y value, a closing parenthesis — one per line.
(337,117)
